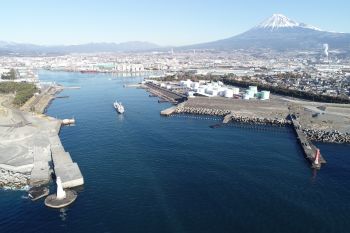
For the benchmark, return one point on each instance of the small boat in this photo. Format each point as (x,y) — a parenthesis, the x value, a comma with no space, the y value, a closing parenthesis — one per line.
(68,121)
(35,193)
(119,107)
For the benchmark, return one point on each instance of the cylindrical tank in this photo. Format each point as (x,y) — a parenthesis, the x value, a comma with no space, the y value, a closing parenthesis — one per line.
(235,90)
(246,96)
(228,93)
(265,95)
(209,90)
(254,89)
(214,92)
(250,93)
(195,85)
(190,94)
(201,90)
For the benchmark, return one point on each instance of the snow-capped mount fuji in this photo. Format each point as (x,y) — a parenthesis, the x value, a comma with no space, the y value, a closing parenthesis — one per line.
(278,32)
(277,21)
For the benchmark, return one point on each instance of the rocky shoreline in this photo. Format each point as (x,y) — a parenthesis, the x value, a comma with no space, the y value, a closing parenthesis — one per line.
(333,136)
(257,120)
(312,134)
(233,117)
(201,111)
(14,180)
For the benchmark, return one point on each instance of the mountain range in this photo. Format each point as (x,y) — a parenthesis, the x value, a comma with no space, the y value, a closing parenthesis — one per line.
(277,32)
(281,33)
(132,46)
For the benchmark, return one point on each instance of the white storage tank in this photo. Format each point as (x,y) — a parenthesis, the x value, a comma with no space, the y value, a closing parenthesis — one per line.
(209,90)
(228,93)
(190,94)
(195,85)
(235,90)
(214,92)
(254,89)
(265,95)
(246,96)
(250,93)
(201,90)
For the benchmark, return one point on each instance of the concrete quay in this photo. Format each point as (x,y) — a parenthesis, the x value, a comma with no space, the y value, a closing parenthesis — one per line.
(30,150)
(234,111)
(168,111)
(63,165)
(165,94)
(310,150)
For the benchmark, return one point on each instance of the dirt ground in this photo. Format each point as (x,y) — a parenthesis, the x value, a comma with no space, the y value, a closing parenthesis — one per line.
(312,114)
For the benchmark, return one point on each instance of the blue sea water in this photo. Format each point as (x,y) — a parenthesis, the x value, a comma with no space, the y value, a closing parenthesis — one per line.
(147,173)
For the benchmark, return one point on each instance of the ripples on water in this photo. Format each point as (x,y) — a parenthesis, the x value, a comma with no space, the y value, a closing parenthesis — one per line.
(147,173)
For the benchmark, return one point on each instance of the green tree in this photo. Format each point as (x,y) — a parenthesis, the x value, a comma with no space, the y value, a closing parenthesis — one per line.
(10,75)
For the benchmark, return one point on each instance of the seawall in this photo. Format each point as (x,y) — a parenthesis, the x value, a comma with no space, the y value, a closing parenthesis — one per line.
(257,118)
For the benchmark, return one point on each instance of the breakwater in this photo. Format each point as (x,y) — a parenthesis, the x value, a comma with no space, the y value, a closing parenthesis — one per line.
(164,94)
(333,136)
(229,116)
(13,179)
(311,152)
(201,111)
(30,148)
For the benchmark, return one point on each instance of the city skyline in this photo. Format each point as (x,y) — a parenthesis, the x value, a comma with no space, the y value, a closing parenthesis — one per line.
(164,23)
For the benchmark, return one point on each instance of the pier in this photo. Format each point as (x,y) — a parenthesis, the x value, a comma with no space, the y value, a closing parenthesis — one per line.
(310,150)
(168,111)
(30,148)
(63,165)
(165,94)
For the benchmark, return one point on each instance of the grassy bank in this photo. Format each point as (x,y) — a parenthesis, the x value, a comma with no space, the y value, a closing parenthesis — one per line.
(22,91)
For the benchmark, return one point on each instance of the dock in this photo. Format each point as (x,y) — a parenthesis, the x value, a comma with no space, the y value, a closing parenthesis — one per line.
(168,111)
(165,94)
(63,165)
(310,150)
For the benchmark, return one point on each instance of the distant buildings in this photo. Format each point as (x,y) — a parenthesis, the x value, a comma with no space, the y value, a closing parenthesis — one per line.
(331,77)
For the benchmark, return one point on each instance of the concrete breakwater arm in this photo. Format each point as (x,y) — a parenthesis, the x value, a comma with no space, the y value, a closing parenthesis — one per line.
(63,165)
(310,150)
(254,112)
(30,148)
(227,114)
(163,93)
(326,136)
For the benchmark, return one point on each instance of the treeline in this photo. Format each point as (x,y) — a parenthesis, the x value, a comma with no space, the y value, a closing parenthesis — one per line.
(288,92)
(189,75)
(9,76)
(230,79)
(22,91)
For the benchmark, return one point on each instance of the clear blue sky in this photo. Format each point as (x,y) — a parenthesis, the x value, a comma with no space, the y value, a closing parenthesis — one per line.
(165,22)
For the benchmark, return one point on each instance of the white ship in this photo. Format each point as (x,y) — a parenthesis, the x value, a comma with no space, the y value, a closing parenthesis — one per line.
(119,107)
